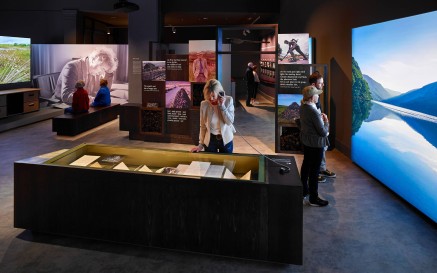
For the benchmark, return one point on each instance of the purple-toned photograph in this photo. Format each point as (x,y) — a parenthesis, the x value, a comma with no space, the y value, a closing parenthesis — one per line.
(178,94)
(57,68)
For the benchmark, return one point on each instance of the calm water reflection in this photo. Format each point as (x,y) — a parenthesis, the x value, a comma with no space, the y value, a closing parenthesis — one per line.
(400,151)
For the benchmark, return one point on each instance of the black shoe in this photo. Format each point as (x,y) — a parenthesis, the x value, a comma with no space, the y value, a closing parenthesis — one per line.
(328,173)
(321,179)
(317,202)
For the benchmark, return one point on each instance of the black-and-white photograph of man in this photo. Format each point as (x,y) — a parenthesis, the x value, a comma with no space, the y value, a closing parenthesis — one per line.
(293,49)
(59,67)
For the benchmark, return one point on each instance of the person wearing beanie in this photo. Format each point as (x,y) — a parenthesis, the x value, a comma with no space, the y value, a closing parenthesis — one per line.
(314,130)
(316,79)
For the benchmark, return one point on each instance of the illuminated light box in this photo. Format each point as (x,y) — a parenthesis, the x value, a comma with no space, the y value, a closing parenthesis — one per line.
(394,110)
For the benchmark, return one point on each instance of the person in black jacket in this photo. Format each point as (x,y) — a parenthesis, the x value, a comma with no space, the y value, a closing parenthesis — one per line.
(250,81)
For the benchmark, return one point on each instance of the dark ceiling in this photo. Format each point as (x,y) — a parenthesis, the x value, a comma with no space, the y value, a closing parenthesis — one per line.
(217,19)
(177,19)
(202,13)
(115,19)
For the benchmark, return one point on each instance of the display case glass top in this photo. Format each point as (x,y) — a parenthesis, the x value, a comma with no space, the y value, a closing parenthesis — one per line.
(164,162)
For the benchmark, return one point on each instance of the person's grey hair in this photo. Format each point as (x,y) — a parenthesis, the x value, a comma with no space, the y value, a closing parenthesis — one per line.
(212,86)
(111,60)
(80,84)
(250,64)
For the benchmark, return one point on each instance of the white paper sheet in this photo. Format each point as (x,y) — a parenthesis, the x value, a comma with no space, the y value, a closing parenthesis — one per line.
(84,160)
(215,171)
(197,168)
(121,166)
(229,175)
(246,176)
(145,169)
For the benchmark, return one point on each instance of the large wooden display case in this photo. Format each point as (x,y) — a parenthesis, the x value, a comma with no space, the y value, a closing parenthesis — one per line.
(225,204)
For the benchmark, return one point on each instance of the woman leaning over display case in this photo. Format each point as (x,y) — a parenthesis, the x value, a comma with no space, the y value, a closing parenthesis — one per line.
(216,120)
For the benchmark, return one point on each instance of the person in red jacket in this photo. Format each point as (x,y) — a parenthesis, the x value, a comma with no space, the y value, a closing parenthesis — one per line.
(81,101)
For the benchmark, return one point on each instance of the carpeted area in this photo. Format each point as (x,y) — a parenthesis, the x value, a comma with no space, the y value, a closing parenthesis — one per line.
(365,228)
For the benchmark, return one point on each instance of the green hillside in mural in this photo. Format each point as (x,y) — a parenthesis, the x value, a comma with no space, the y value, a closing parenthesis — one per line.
(361,98)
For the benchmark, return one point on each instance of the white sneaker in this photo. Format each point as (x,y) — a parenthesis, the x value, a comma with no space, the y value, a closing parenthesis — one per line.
(306,199)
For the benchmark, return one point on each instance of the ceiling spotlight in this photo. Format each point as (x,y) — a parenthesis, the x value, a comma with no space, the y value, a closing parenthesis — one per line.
(173,29)
(108,31)
(245,32)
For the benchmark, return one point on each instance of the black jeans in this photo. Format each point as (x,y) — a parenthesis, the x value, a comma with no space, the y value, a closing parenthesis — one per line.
(310,169)
(250,87)
(216,145)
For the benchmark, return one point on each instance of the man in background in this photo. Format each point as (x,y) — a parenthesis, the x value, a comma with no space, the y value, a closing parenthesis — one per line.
(250,82)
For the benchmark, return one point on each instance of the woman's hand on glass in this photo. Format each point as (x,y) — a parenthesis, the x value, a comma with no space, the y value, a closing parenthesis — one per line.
(197,149)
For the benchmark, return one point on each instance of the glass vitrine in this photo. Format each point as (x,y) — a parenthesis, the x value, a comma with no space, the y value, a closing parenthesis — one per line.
(164,162)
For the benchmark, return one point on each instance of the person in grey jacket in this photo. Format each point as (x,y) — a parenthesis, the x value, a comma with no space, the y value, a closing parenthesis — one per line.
(216,120)
(314,137)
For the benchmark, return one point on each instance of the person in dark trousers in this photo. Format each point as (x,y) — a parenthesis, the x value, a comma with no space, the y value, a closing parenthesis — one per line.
(316,80)
(216,120)
(255,87)
(314,137)
(250,82)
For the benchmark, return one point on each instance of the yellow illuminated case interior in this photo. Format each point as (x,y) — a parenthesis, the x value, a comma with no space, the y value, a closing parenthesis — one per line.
(163,162)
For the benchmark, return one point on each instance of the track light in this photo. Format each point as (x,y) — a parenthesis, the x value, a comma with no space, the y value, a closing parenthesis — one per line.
(173,29)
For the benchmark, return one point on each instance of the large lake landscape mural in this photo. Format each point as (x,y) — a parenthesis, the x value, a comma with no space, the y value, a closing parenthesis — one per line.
(394,107)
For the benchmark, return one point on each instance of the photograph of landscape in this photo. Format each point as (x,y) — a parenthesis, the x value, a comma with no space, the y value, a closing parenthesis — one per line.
(394,106)
(14,59)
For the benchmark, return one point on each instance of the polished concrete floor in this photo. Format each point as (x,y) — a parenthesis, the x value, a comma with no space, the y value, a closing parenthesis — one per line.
(366,227)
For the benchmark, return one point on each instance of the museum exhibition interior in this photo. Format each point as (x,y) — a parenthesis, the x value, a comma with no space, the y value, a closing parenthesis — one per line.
(120,187)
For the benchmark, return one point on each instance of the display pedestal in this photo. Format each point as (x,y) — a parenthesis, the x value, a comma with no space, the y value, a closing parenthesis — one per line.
(255,219)
(149,124)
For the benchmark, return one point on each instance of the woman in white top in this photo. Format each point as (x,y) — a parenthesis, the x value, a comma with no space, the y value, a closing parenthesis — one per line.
(216,120)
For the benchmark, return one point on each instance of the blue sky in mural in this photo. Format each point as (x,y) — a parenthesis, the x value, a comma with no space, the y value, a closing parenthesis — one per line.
(288,99)
(397,139)
(392,51)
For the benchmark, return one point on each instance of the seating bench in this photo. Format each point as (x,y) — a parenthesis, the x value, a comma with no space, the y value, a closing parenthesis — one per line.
(74,124)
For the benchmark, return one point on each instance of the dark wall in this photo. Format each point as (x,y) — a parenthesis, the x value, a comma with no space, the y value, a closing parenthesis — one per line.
(330,23)
(43,27)
(48,21)
(220,6)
